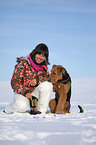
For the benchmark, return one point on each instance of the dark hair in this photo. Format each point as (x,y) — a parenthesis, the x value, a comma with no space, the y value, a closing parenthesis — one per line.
(41,49)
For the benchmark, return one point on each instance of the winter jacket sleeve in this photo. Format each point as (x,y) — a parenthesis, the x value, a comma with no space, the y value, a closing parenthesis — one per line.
(20,79)
(43,76)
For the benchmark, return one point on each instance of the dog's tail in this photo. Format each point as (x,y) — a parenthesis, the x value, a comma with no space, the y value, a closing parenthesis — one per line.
(81,109)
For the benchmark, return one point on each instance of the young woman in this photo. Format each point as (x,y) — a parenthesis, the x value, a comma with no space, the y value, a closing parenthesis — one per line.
(30,82)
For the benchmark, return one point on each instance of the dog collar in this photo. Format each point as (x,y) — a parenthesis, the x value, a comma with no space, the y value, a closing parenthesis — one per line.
(64,81)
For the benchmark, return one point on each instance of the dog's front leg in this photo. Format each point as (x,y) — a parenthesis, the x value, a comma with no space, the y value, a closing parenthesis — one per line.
(62,100)
(55,87)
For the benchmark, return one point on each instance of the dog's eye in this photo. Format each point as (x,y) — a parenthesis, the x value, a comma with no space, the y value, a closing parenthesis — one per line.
(54,73)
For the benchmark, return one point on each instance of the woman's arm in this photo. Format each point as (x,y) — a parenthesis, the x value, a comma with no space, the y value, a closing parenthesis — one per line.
(22,78)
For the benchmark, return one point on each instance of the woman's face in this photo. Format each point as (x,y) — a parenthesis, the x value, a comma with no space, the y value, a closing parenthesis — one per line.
(39,58)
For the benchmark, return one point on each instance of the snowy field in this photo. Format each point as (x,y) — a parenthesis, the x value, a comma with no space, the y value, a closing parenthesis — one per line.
(47,129)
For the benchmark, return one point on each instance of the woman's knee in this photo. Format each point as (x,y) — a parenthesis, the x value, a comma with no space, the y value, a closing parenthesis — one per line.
(46,86)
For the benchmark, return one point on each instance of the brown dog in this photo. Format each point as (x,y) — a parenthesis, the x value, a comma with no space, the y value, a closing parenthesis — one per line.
(62,86)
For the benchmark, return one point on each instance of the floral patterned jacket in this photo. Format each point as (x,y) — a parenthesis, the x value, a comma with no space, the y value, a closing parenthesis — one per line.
(24,73)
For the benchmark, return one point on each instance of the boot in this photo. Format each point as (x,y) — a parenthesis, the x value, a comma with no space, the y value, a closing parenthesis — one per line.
(33,104)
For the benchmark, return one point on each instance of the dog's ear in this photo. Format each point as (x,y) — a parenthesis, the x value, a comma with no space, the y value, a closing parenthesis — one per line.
(54,66)
(61,70)
(65,74)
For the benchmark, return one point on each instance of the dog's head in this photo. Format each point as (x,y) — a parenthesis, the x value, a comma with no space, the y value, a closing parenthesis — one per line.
(57,73)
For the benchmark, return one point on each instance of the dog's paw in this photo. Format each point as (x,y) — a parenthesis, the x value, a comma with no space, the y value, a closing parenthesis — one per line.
(59,112)
(62,112)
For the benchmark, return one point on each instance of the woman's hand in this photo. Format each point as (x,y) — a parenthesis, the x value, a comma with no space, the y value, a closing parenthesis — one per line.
(33,82)
(28,96)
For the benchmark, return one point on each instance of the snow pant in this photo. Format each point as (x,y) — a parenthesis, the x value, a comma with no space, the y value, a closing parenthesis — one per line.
(42,92)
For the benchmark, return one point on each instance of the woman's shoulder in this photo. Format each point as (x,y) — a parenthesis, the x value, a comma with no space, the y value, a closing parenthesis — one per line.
(23,59)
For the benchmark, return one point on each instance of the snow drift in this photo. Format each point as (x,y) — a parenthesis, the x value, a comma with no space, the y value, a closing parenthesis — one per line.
(49,129)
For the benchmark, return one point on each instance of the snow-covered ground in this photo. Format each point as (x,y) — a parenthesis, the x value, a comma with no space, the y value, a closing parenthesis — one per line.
(47,129)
